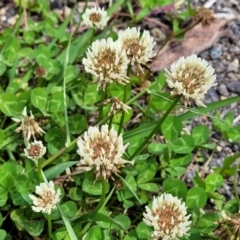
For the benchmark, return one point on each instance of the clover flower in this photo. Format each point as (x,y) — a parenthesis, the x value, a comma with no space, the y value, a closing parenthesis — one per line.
(107,61)
(101,149)
(139,49)
(190,77)
(48,198)
(168,217)
(95,18)
(35,150)
(230,226)
(29,126)
(116,105)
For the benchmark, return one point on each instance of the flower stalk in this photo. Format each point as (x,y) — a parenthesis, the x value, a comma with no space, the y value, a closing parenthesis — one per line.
(49,220)
(155,130)
(103,196)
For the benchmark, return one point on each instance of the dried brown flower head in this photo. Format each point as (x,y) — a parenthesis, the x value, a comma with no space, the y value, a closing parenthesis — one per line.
(116,105)
(40,71)
(230,226)
(29,126)
(205,16)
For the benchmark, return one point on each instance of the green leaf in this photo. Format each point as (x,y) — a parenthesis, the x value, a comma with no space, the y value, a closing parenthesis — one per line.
(123,220)
(93,187)
(69,208)
(181,160)
(55,139)
(42,54)
(3,234)
(2,68)
(114,7)
(3,196)
(143,13)
(156,148)
(196,197)
(54,171)
(200,134)
(29,36)
(150,187)
(117,90)
(207,223)
(143,231)
(56,102)
(7,181)
(225,124)
(130,189)
(175,187)
(9,104)
(147,175)
(77,123)
(171,128)
(71,73)
(39,98)
(75,193)
(234,134)
(184,144)
(92,217)
(94,233)
(213,182)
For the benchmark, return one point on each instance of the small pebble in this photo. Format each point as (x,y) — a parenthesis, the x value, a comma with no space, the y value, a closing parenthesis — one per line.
(234,87)
(222,89)
(216,52)
(234,65)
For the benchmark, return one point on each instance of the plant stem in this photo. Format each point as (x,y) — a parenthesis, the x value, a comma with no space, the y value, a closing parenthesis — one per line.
(156,127)
(235,183)
(64,93)
(61,151)
(100,116)
(49,226)
(103,196)
(39,167)
(123,112)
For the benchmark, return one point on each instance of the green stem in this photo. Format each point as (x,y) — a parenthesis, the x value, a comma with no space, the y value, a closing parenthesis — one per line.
(235,184)
(140,148)
(64,93)
(59,153)
(123,112)
(49,226)
(100,116)
(110,122)
(39,167)
(103,196)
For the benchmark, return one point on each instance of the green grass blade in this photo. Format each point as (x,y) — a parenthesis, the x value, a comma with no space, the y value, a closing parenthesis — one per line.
(68,226)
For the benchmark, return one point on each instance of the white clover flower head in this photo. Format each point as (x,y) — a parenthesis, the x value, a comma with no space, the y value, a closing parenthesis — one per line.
(95,18)
(116,105)
(29,126)
(139,48)
(107,61)
(35,150)
(48,198)
(190,77)
(168,217)
(101,149)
